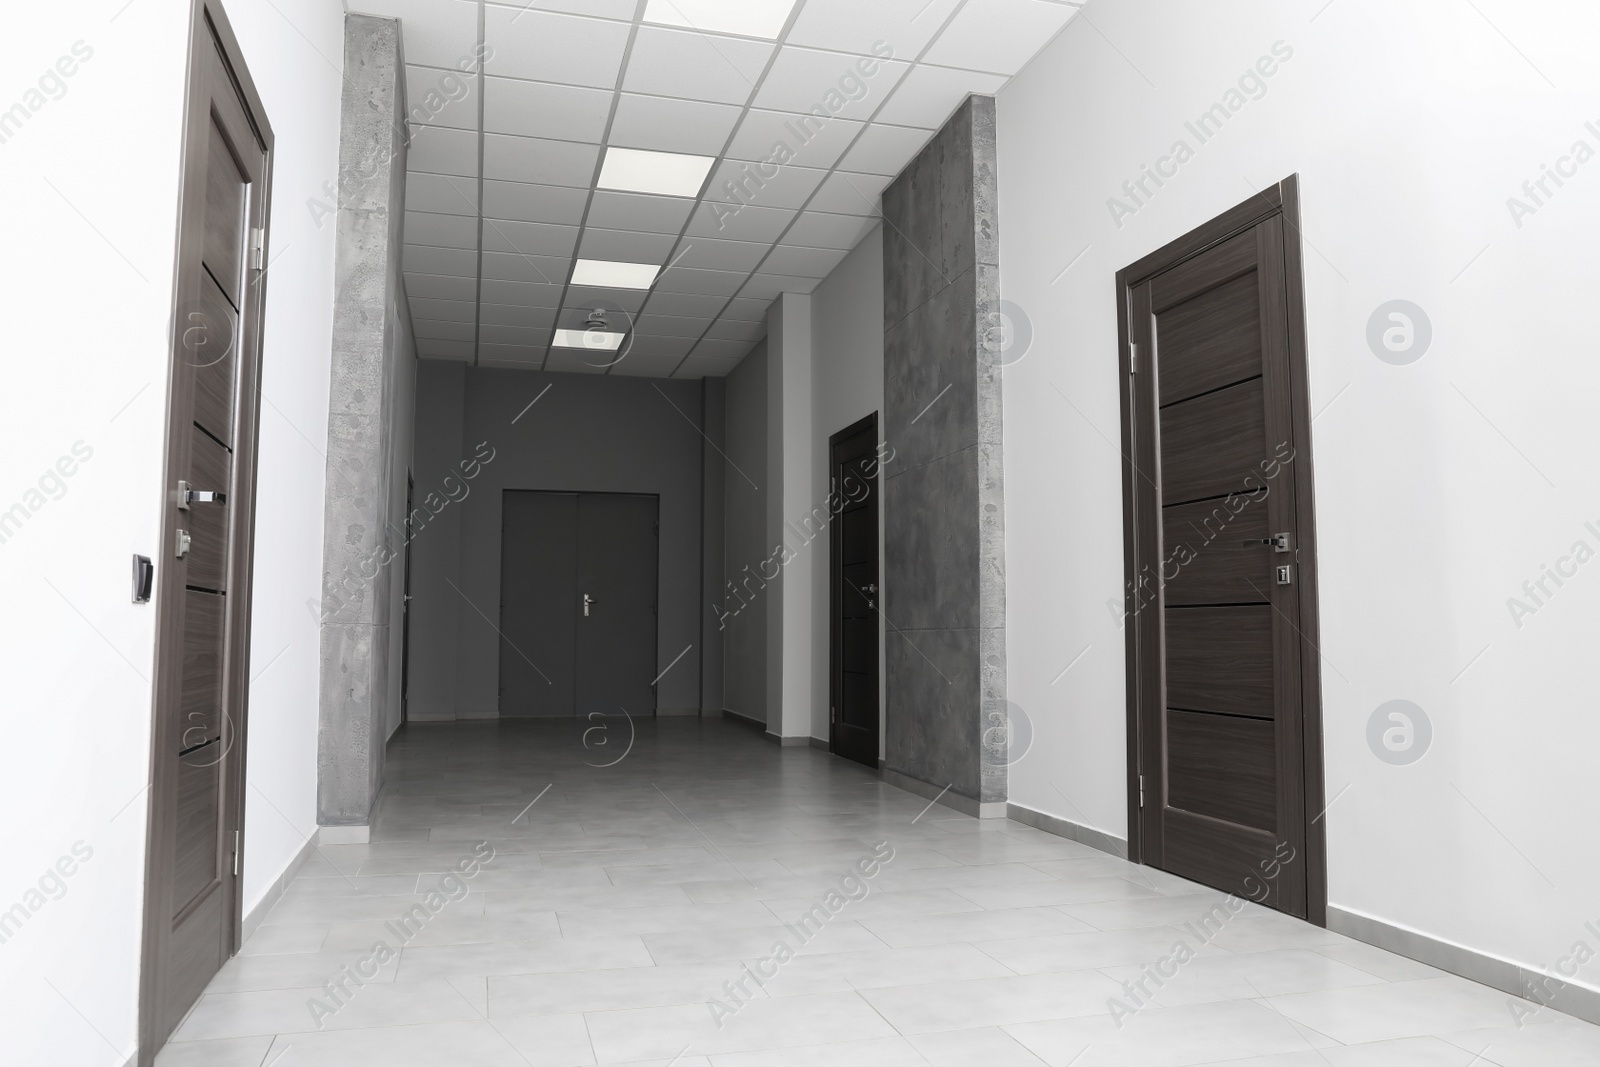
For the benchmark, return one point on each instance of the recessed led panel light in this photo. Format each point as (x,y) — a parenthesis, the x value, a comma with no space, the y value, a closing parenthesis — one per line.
(631,170)
(748,18)
(604,274)
(594,340)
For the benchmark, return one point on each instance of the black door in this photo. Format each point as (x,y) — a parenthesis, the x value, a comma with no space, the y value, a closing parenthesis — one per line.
(578,576)
(853,592)
(1218,601)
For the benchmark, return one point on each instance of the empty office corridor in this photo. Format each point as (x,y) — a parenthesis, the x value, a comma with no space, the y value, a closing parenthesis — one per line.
(623,907)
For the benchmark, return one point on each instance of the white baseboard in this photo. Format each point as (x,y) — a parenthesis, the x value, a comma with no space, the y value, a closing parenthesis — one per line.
(1072,831)
(253,917)
(344,835)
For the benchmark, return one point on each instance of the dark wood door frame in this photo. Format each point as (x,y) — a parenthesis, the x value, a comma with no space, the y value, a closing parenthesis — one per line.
(209,32)
(867,427)
(1142,546)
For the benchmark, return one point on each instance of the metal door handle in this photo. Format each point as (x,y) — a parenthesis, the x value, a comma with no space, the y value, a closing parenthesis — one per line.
(871,587)
(587,601)
(187,496)
(1278,541)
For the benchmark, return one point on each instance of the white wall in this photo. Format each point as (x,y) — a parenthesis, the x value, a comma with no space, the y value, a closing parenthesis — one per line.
(1441,486)
(847,386)
(85,294)
(741,604)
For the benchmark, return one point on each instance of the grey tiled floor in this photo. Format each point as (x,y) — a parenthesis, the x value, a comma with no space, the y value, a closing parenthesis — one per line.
(625,897)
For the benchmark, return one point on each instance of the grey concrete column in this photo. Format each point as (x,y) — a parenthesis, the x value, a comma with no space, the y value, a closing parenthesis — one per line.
(362,543)
(943,492)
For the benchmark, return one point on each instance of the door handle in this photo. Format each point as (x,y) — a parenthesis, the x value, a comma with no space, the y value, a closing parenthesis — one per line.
(1278,541)
(187,496)
(588,601)
(870,587)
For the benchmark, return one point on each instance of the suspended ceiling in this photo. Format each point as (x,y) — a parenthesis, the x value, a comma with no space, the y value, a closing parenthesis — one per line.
(503,191)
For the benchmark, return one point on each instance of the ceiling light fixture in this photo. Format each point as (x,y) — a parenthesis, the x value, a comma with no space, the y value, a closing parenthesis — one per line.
(593,340)
(604,274)
(631,170)
(747,18)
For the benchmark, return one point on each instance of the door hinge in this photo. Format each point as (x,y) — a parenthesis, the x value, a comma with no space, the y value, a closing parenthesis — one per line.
(236,853)
(1133,358)
(258,248)
(1141,790)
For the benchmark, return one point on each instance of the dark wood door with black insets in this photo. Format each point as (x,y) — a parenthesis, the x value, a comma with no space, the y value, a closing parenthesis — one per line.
(578,607)
(853,595)
(1225,754)
(191,922)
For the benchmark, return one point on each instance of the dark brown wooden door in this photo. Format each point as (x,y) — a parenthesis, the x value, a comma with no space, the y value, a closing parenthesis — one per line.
(853,592)
(192,905)
(1221,560)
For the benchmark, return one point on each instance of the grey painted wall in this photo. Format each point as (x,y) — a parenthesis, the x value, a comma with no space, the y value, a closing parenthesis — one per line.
(742,608)
(713,481)
(944,547)
(368,430)
(585,433)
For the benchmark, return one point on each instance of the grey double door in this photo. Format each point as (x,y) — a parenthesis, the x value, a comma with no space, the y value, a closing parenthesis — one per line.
(578,603)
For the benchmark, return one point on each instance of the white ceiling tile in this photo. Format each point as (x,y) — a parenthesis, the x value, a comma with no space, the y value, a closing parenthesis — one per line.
(576,361)
(665,125)
(520,357)
(929,95)
(711,254)
(441,287)
(804,78)
(696,66)
(440,33)
(845,193)
(438,150)
(440,330)
(999,35)
(534,203)
(803,262)
(512,335)
(722,348)
(441,97)
(443,310)
(538,161)
(684,305)
(506,315)
(786,136)
(552,47)
(707,367)
(537,109)
(903,27)
(768,286)
(747,18)
(600,9)
(671,326)
(621,246)
(723,283)
(546,270)
(816,229)
(745,309)
(444,231)
(750,223)
(459,351)
(444,193)
(522,294)
(587,296)
(421,259)
(637,211)
(739,184)
(647,365)
(884,149)
(737,330)
(658,345)
(529,238)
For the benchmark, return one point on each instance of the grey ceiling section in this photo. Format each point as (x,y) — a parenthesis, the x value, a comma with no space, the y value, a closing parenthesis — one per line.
(805,130)
(943,503)
(368,409)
